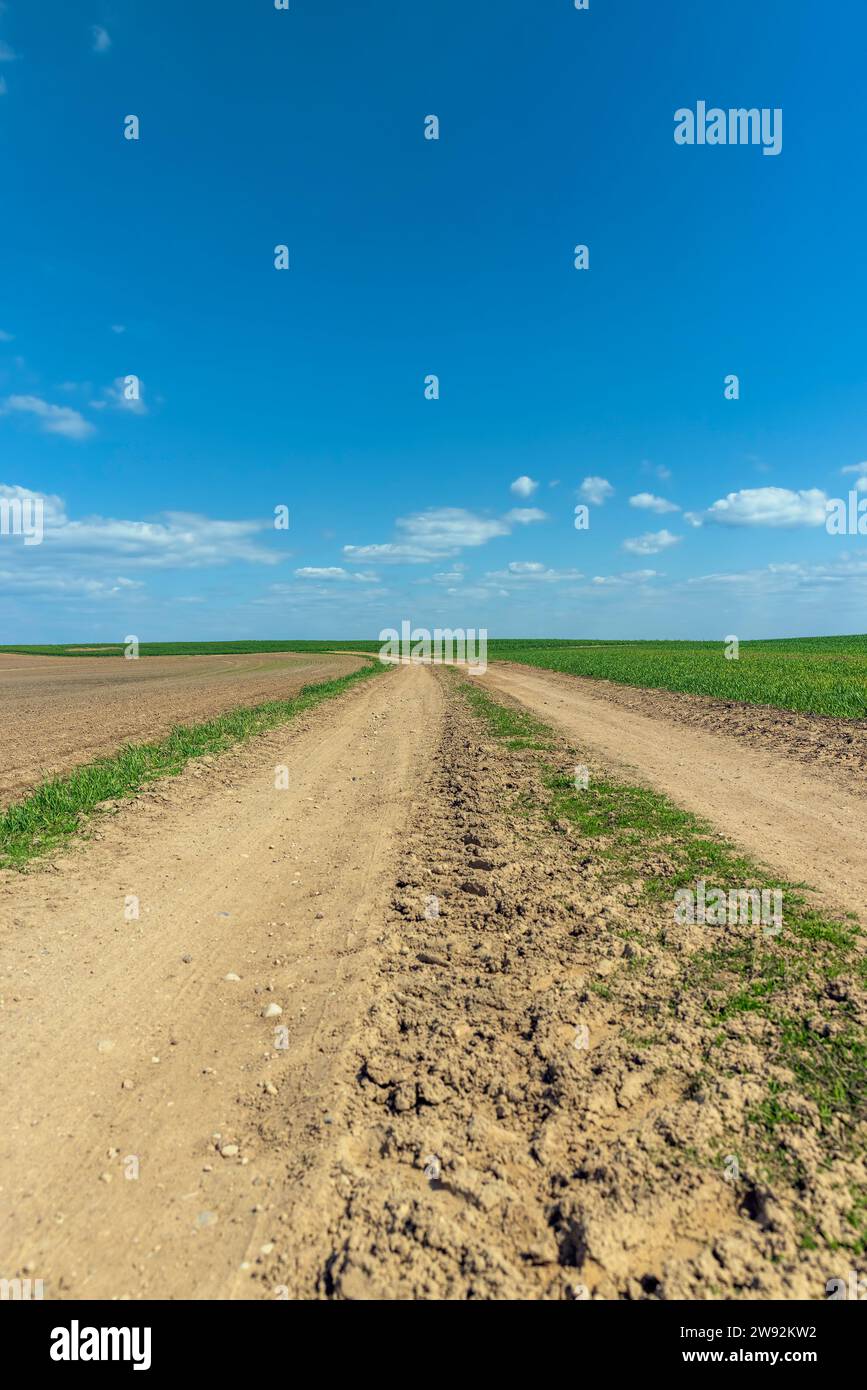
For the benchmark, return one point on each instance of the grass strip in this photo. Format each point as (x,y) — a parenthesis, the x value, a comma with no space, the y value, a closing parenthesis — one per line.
(55,811)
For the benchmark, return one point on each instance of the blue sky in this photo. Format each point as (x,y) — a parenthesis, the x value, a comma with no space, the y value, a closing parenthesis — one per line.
(411,257)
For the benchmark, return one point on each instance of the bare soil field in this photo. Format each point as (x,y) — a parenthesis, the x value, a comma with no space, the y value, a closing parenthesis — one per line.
(62,711)
(790,788)
(335,1056)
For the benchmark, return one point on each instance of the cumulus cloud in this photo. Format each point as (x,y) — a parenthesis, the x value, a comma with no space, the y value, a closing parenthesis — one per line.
(647,502)
(524,486)
(101,39)
(176,540)
(54,419)
(440,532)
(765,506)
(651,543)
(595,490)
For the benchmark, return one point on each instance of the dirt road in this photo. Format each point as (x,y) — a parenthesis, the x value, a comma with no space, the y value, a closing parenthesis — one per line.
(63,711)
(807,823)
(127,1042)
(386,1033)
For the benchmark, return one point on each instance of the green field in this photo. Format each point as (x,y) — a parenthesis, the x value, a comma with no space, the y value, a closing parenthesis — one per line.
(817,675)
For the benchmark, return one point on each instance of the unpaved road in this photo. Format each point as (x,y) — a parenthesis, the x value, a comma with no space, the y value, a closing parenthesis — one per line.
(806,823)
(61,711)
(427,1125)
(276,886)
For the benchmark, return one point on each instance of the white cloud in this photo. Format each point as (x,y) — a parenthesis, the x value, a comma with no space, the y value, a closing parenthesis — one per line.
(659,470)
(56,419)
(765,506)
(176,540)
(118,328)
(524,486)
(3,87)
(333,572)
(860,468)
(627,577)
(789,578)
(532,571)
(439,533)
(646,501)
(42,580)
(101,39)
(6,337)
(455,575)
(651,542)
(6,53)
(595,490)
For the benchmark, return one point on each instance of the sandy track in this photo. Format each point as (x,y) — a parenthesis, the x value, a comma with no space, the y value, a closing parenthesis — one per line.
(427,1126)
(126,1040)
(63,711)
(806,824)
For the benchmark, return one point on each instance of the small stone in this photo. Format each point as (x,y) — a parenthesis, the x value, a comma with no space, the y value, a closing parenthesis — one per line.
(229,1150)
(478,889)
(232,976)
(272,1011)
(186,959)
(127,1084)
